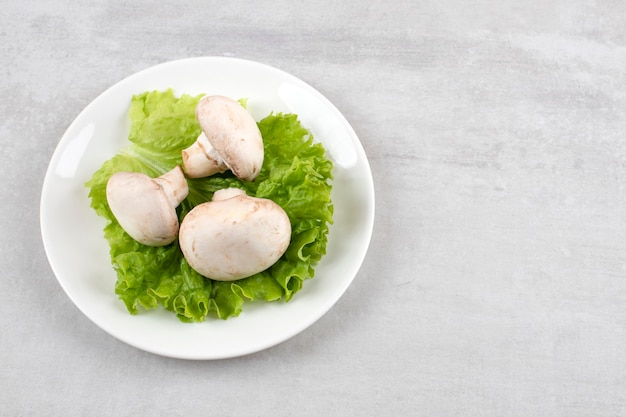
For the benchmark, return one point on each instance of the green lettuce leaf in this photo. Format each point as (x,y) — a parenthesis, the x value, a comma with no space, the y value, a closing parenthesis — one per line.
(296,175)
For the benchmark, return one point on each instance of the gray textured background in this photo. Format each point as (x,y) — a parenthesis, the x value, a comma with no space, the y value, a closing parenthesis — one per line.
(494,284)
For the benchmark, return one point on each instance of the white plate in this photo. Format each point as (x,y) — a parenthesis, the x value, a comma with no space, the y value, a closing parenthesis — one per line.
(79,255)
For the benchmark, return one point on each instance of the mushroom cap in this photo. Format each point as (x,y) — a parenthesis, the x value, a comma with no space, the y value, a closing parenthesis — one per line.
(233,134)
(146,207)
(234,236)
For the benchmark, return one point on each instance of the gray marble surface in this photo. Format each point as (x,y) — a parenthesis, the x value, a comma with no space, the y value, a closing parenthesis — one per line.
(495,281)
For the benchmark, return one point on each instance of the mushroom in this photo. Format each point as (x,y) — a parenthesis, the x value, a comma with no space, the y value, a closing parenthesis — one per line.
(146,207)
(230,139)
(234,235)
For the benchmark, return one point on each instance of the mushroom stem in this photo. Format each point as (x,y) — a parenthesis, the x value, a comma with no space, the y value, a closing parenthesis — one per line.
(174,186)
(226,193)
(201,160)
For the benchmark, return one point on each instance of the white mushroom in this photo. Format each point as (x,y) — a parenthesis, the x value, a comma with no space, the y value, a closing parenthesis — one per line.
(234,236)
(230,139)
(146,207)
